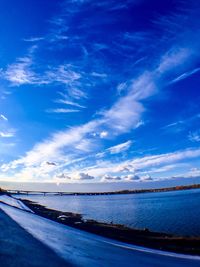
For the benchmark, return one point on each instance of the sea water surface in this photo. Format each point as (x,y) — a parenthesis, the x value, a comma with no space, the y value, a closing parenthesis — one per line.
(176,212)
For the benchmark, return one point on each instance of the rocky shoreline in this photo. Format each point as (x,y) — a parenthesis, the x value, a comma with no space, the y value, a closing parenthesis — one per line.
(146,238)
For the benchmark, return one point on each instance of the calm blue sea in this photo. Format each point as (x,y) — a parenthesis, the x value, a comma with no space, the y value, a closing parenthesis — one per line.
(171,212)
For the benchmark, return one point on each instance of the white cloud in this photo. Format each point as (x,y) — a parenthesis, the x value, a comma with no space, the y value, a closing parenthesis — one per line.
(174,58)
(3,117)
(86,145)
(7,134)
(108,178)
(132,177)
(120,148)
(69,103)
(62,74)
(128,178)
(165,168)
(185,75)
(126,113)
(84,176)
(20,73)
(157,160)
(63,176)
(52,149)
(103,134)
(99,75)
(144,164)
(121,87)
(100,154)
(62,110)
(67,75)
(194,137)
(123,116)
(194,172)
(146,178)
(25,71)
(140,123)
(174,124)
(33,39)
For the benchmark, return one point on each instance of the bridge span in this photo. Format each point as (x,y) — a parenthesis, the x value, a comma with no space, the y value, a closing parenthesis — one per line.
(32,192)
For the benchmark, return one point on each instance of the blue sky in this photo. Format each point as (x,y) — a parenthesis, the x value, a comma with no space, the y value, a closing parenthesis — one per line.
(99,91)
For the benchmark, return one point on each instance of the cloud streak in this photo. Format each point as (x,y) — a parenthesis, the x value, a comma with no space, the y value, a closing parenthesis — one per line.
(3,117)
(185,75)
(123,116)
(120,148)
(6,134)
(62,110)
(82,74)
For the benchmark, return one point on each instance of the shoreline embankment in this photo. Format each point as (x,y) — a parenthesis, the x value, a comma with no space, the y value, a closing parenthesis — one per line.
(146,238)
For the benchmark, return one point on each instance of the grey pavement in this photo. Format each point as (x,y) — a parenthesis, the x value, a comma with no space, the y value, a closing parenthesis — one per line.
(20,249)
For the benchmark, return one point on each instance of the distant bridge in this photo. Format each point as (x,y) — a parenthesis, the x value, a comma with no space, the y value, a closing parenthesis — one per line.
(32,192)
(135,191)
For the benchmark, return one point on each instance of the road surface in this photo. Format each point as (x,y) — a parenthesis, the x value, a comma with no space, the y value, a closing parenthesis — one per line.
(19,249)
(79,248)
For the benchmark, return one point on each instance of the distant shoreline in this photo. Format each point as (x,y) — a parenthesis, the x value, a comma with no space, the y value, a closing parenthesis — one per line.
(140,191)
(146,238)
(120,192)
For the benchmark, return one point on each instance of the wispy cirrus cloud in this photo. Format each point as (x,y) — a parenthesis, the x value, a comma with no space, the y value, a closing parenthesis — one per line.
(68,102)
(3,117)
(62,74)
(84,71)
(194,136)
(115,149)
(167,158)
(34,39)
(181,124)
(20,73)
(122,117)
(62,110)
(120,148)
(148,164)
(185,75)
(130,106)
(7,134)
(173,58)
(24,71)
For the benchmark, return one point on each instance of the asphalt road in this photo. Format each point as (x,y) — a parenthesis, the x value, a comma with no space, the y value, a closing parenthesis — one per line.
(20,249)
